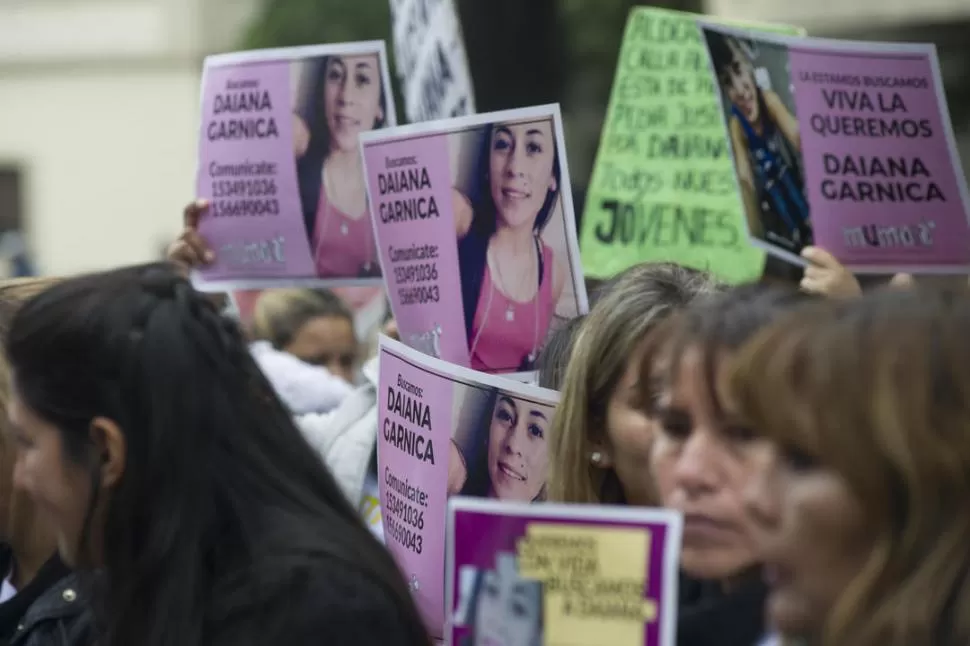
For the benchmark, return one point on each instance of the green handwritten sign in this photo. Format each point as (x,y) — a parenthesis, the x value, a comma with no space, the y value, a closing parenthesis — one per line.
(663,187)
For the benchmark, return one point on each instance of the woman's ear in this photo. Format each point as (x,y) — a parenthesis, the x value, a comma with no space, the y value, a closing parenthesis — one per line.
(553,184)
(109,442)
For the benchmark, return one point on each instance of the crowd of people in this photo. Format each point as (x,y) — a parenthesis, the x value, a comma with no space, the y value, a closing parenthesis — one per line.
(175,477)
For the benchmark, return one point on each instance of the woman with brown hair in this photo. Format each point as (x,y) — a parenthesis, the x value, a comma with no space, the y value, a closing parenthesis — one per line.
(861,500)
(702,458)
(40,601)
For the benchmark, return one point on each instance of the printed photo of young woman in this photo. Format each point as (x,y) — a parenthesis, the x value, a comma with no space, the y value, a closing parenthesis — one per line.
(500,445)
(499,607)
(513,250)
(337,98)
(754,83)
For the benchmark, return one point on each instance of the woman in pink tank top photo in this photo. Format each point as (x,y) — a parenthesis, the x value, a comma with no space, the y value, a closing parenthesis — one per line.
(511,279)
(345,97)
(509,455)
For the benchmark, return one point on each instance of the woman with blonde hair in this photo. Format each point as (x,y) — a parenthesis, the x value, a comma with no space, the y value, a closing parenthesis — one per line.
(600,438)
(314,325)
(861,498)
(40,600)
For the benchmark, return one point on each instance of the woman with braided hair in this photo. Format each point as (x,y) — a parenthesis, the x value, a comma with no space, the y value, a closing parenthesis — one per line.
(166,463)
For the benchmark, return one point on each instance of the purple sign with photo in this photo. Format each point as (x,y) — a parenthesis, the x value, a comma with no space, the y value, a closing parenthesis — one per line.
(571,575)
(279,163)
(446,430)
(477,237)
(843,145)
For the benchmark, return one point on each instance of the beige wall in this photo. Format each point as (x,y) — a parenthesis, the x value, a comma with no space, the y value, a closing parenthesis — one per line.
(100,109)
(108,157)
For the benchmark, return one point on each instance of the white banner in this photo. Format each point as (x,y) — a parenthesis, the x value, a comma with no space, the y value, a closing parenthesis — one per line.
(431,62)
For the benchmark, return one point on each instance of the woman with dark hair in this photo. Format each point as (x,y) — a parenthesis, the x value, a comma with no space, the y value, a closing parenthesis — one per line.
(166,463)
(40,600)
(313,325)
(513,460)
(346,97)
(767,149)
(703,457)
(511,280)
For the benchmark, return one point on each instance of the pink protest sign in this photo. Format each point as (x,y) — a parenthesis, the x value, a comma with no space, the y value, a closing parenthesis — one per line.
(843,145)
(447,430)
(279,162)
(571,575)
(477,238)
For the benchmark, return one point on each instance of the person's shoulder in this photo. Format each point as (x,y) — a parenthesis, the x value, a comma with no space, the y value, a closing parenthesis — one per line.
(347,604)
(63,610)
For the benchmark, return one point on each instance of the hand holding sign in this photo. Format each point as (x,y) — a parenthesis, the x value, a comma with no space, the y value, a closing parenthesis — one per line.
(189,250)
(827,277)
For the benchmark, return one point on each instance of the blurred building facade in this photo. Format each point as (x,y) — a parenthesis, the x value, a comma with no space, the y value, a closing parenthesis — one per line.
(99,103)
(946,23)
(99,107)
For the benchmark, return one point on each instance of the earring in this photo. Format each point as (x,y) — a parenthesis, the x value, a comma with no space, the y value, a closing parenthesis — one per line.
(596,457)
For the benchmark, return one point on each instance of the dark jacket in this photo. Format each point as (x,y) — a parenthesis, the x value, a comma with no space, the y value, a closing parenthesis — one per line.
(707,616)
(48,611)
(326,602)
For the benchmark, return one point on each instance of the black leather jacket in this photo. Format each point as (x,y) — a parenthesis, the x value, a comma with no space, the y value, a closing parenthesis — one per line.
(49,611)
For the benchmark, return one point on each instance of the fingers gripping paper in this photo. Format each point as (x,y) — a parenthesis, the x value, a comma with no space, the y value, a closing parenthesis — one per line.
(593,581)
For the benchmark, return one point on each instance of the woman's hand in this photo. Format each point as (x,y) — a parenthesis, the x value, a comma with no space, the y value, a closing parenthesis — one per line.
(902,281)
(190,250)
(390,329)
(826,276)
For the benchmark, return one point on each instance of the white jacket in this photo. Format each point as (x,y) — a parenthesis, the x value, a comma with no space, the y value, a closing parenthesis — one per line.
(338,421)
(346,436)
(304,388)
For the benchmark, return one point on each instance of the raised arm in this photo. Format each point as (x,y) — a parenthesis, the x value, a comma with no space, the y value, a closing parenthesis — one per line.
(785,120)
(749,194)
